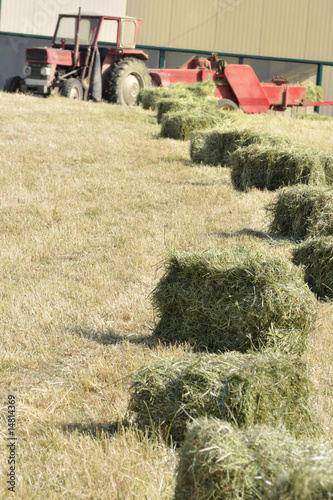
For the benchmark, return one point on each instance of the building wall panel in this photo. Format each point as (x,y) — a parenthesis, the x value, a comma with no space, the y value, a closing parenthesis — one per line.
(319,44)
(238,25)
(300,29)
(284,28)
(156,20)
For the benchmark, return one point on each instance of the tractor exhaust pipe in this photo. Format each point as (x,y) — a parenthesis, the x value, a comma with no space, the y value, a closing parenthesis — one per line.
(77,39)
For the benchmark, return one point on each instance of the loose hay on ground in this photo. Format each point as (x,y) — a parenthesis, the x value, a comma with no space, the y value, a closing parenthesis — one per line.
(244,389)
(265,166)
(301,211)
(214,147)
(219,462)
(316,255)
(233,300)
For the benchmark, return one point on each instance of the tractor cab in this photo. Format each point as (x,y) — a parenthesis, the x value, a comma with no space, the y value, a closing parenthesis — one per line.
(122,32)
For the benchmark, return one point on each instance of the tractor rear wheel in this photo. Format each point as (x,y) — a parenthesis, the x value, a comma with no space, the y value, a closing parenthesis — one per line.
(226,105)
(13,84)
(72,89)
(125,80)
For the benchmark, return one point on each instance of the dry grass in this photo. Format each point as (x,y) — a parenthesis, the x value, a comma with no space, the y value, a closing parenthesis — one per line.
(90,201)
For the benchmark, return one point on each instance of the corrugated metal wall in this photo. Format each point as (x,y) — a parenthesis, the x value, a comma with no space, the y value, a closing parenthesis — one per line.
(299,29)
(38,17)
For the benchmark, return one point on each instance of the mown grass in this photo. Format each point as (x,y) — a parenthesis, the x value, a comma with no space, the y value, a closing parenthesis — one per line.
(91,201)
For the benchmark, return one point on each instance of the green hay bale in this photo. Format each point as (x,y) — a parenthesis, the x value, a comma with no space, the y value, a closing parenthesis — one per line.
(233,300)
(222,463)
(316,255)
(314,93)
(326,159)
(244,389)
(150,96)
(181,124)
(213,147)
(202,89)
(301,211)
(184,104)
(264,166)
(168,104)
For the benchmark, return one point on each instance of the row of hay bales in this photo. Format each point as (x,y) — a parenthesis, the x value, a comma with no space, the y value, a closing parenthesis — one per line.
(182,108)
(260,160)
(240,416)
(257,160)
(239,408)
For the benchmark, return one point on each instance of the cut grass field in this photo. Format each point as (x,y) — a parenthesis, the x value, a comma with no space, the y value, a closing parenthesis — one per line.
(91,201)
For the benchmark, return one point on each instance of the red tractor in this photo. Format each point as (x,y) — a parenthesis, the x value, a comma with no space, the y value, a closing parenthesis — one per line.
(76,67)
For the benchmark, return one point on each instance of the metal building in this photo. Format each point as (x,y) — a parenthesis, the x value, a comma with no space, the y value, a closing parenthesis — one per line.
(289,38)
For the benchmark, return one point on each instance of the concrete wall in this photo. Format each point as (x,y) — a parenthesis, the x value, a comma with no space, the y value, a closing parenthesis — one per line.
(38,17)
(13,54)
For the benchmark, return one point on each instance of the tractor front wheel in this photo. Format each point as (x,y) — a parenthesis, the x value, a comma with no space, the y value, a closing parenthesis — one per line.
(72,89)
(226,105)
(125,80)
(13,85)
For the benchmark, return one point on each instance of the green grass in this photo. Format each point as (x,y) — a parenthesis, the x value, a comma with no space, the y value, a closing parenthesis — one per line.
(91,200)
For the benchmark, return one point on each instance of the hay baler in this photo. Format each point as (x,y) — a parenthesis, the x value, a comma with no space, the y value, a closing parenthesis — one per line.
(237,85)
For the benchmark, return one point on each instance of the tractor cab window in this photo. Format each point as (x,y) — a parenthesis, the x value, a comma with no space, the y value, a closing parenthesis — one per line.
(109,31)
(128,31)
(67,31)
(88,30)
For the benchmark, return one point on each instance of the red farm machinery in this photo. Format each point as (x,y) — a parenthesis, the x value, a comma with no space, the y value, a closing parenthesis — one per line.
(78,68)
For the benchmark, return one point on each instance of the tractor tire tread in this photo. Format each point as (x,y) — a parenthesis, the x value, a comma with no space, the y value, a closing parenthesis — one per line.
(116,74)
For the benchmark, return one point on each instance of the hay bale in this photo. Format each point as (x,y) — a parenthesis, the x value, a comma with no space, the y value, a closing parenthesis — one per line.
(233,300)
(150,96)
(314,93)
(202,89)
(326,159)
(301,211)
(184,104)
(316,255)
(265,166)
(244,389)
(213,147)
(220,462)
(181,124)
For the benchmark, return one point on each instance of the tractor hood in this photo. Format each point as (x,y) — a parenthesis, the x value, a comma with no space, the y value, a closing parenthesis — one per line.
(50,56)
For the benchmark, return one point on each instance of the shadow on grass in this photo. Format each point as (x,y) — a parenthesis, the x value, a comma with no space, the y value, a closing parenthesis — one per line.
(96,430)
(256,234)
(110,337)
